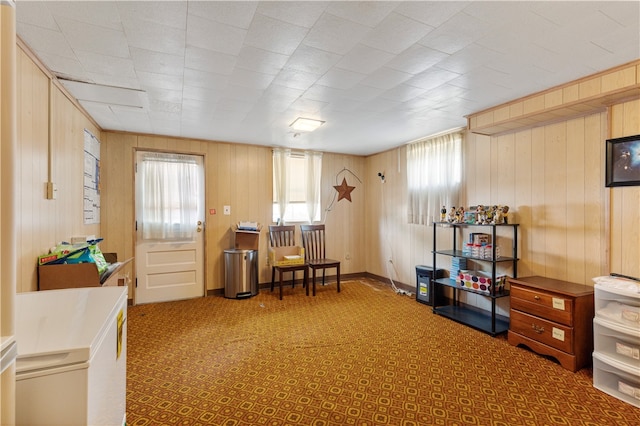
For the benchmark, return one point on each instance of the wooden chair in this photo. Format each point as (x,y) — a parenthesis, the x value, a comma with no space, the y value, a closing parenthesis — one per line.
(280,236)
(313,242)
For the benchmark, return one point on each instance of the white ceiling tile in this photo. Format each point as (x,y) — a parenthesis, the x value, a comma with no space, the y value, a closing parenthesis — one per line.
(340,79)
(386,78)
(219,37)
(156,37)
(250,79)
(260,60)
(235,13)
(455,34)
(396,33)
(311,60)
(335,34)
(307,106)
(206,80)
(137,120)
(105,94)
(170,108)
(94,38)
(100,14)
(364,59)
(36,14)
(103,115)
(70,68)
(159,81)
(627,14)
(274,36)
(403,93)
(163,95)
(240,71)
(45,40)
(432,13)
(432,78)
(416,59)
(155,62)
(242,94)
(108,65)
(166,13)
(295,79)
(115,80)
(361,93)
(210,61)
(363,12)
(300,13)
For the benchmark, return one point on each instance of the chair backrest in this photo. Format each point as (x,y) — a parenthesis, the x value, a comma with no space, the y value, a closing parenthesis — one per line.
(313,241)
(280,236)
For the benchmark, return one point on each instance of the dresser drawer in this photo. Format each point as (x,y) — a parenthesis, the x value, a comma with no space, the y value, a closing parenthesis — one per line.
(546,305)
(549,333)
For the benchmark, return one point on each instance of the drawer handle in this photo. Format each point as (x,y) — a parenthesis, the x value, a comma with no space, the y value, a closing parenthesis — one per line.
(536,297)
(537,329)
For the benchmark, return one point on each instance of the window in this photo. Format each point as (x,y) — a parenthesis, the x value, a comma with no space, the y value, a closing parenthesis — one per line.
(169,184)
(296,186)
(434,176)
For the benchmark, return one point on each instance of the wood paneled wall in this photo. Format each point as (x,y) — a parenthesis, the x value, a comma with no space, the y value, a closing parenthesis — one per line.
(42,223)
(237,175)
(552,177)
(624,206)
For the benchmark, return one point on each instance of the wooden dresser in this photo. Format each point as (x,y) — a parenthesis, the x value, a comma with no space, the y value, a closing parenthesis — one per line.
(554,318)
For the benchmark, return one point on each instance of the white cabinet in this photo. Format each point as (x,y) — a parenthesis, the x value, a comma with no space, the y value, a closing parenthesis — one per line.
(616,339)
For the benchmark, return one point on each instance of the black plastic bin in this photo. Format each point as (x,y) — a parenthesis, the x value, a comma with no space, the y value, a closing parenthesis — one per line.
(424,290)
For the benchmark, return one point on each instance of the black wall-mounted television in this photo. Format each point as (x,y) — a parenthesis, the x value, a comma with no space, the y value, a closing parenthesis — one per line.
(623,161)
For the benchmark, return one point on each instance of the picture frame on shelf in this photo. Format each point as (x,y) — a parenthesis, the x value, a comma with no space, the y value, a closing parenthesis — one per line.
(623,161)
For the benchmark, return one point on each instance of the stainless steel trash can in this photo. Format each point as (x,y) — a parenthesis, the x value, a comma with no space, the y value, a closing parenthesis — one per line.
(240,273)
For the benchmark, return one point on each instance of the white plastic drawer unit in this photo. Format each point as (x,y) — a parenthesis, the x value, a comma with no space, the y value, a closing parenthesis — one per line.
(617,342)
(616,379)
(616,339)
(618,306)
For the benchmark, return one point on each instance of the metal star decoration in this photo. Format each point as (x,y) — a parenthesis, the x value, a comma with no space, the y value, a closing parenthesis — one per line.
(344,190)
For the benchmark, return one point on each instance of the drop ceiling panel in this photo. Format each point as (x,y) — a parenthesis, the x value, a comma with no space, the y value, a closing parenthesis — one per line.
(381,73)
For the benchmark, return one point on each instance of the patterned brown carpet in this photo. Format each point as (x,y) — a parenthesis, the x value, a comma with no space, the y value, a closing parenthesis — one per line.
(365,356)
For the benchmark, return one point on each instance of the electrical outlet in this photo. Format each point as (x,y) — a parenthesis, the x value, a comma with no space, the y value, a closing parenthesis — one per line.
(227,210)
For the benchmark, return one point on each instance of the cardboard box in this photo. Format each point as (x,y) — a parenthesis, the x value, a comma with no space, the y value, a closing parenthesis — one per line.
(286,256)
(246,240)
(52,277)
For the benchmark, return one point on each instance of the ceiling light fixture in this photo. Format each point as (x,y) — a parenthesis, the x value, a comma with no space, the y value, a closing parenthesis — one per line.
(306,124)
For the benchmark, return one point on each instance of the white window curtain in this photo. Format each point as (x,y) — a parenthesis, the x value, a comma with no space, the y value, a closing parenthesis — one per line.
(434,176)
(169,196)
(280,181)
(297,185)
(313,163)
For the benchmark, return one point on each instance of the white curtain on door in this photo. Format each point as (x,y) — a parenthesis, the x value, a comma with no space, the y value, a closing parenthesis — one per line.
(169,196)
(434,176)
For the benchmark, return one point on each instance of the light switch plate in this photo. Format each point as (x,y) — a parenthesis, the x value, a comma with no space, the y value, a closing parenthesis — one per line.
(227,210)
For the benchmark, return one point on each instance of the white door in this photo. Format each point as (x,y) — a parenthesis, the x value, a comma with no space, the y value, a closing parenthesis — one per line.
(169,226)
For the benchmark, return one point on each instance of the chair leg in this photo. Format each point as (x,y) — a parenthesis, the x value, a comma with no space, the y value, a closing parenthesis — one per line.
(324,271)
(293,279)
(273,276)
(338,278)
(281,274)
(313,280)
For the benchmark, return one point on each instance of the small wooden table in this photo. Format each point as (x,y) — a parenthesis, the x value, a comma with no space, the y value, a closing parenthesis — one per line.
(553,317)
